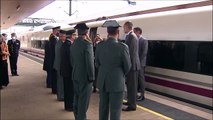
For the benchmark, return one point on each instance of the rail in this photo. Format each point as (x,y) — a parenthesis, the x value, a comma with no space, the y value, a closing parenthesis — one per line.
(33,52)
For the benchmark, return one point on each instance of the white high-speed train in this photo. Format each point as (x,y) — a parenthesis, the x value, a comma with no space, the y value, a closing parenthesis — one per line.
(179,60)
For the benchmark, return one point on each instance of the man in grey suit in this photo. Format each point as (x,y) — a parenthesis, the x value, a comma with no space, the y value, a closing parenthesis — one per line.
(143,49)
(113,60)
(82,59)
(131,81)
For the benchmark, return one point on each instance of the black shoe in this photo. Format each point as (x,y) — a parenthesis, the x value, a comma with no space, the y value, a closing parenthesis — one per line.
(94,90)
(69,109)
(125,103)
(61,100)
(140,98)
(49,86)
(16,74)
(129,109)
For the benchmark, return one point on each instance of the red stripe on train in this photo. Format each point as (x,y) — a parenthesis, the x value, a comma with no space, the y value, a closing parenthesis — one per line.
(182,87)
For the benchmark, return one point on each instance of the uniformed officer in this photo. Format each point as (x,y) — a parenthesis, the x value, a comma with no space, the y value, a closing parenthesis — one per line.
(97,40)
(113,60)
(71,35)
(57,65)
(83,71)
(13,46)
(66,73)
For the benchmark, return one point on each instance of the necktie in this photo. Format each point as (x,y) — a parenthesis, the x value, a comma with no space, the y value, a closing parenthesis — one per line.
(127,36)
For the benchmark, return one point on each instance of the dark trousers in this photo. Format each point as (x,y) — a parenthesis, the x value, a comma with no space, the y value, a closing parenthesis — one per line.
(95,81)
(1,72)
(68,93)
(49,80)
(141,81)
(53,78)
(5,77)
(13,64)
(131,83)
(82,93)
(110,101)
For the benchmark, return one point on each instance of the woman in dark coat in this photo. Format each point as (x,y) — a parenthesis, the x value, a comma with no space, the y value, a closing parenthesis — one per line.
(0,65)
(4,66)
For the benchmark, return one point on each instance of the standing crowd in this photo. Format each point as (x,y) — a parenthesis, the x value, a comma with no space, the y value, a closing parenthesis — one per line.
(75,64)
(11,50)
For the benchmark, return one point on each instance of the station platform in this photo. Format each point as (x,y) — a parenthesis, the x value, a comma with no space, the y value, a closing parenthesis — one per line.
(27,98)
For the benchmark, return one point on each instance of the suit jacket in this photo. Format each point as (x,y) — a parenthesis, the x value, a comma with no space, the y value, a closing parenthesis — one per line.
(113,60)
(46,57)
(57,59)
(66,67)
(14,47)
(132,42)
(82,59)
(52,42)
(143,49)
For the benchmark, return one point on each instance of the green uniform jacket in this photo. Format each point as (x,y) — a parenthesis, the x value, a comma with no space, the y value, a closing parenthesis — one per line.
(82,59)
(113,59)
(57,60)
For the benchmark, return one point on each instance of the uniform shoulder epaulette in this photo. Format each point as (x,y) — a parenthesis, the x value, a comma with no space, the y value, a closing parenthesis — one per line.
(122,44)
(101,42)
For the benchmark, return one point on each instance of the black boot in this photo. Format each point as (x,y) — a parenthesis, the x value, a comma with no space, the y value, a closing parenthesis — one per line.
(94,90)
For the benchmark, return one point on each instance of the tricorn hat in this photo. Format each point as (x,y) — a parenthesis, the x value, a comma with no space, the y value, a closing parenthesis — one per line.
(56,27)
(62,32)
(81,26)
(111,23)
(70,32)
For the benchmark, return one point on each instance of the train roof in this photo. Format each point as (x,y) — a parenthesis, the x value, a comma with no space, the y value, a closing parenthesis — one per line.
(144,12)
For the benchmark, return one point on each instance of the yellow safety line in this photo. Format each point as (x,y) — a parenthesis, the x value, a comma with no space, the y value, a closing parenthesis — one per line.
(138,106)
(153,112)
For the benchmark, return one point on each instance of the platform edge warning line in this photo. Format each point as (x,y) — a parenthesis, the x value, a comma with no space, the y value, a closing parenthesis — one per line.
(153,112)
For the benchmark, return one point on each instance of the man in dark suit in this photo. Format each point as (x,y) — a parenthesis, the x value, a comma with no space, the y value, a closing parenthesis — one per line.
(51,71)
(46,64)
(13,47)
(113,60)
(131,81)
(83,71)
(66,72)
(143,49)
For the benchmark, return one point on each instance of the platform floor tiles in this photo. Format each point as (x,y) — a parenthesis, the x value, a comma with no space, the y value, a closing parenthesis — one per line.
(27,98)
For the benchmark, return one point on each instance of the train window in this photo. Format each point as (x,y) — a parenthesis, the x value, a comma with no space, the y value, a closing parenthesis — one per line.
(195,57)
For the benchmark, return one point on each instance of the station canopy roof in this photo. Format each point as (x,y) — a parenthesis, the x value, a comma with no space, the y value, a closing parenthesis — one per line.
(13,11)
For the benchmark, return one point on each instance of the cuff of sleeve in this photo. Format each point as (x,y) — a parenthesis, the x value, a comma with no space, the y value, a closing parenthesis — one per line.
(91,79)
